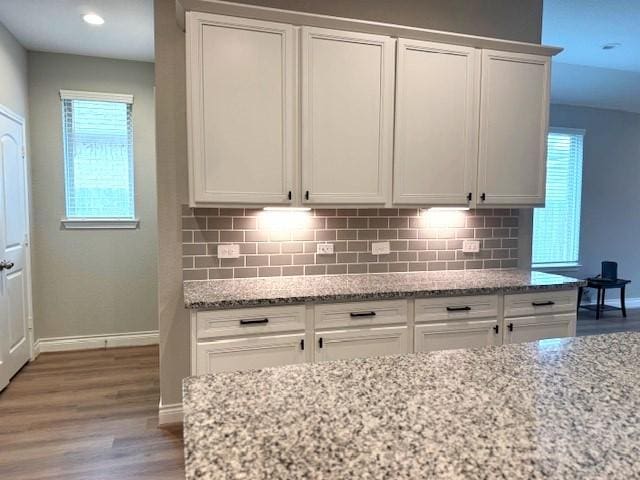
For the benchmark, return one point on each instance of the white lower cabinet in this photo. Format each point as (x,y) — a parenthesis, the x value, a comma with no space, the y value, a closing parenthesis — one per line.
(358,343)
(249,353)
(539,327)
(457,334)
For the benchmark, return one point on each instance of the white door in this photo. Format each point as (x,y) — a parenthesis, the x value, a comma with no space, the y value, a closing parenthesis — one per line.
(514,113)
(436,143)
(242,104)
(14,278)
(539,327)
(347,116)
(361,343)
(249,353)
(457,334)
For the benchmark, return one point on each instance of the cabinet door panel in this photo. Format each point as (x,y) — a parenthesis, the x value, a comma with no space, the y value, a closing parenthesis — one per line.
(367,342)
(539,327)
(242,102)
(457,334)
(249,353)
(513,128)
(437,101)
(347,116)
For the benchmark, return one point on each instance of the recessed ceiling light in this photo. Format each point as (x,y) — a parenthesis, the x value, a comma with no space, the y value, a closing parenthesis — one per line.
(611,46)
(93,19)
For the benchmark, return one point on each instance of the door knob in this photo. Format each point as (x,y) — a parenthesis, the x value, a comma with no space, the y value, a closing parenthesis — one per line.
(5,265)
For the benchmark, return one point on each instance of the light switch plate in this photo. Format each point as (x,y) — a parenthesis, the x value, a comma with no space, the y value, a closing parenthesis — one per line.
(228,251)
(324,248)
(380,248)
(471,246)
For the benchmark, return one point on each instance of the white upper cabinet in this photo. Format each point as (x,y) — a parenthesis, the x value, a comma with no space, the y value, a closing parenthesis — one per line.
(513,129)
(347,93)
(242,104)
(436,128)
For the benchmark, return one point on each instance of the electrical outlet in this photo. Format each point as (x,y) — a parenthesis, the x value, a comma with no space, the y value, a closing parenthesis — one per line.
(380,248)
(228,251)
(471,246)
(324,248)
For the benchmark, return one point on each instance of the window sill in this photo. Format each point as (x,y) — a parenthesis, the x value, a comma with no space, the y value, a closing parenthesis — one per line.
(100,223)
(558,267)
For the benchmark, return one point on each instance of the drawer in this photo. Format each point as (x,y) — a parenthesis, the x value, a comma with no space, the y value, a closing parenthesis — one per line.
(539,327)
(556,301)
(361,314)
(361,343)
(249,321)
(251,353)
(456,308)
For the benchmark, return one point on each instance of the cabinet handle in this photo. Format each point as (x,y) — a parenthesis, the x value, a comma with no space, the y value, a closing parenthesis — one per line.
(254,321)
(510,326)
(483,197)
(362,314)
(306,195)
(458,309)
(496,329)
(290,196)
(542,304)
(302,344)
(469,196)
(320,342)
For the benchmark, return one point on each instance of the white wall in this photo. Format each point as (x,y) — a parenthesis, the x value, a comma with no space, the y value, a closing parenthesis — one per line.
(13,73)
(93,281)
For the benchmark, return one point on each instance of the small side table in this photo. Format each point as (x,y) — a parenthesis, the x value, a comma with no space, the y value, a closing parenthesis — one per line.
(602,285)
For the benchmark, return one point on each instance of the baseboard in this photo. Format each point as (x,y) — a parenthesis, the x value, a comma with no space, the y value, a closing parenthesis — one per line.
(91,342)
(168,414)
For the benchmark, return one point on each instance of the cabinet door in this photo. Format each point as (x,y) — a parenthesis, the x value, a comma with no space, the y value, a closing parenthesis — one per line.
(241,109)
(513,129)
(436,143)
(457,334)
(366,342)
(347,116)
(539,327)
(249,353)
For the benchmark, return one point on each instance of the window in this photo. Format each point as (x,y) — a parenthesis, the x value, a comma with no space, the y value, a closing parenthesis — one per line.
(98,160)
(556,227)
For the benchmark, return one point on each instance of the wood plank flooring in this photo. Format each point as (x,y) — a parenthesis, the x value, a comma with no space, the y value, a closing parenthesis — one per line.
(90,415)
(93,414)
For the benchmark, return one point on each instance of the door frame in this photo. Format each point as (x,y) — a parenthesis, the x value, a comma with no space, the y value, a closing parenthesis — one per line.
(7,112)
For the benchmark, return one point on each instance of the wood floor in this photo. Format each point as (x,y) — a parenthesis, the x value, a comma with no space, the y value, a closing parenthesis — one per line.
(93,415)
(90,415)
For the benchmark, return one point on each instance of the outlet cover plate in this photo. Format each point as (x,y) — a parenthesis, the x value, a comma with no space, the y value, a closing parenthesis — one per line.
(228,251)
(324,248)
(380,248)
(471,246)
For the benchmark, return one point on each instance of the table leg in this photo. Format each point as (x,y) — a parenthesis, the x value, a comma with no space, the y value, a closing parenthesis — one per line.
(580,290)
(622,305)
(604,290)
(598,303)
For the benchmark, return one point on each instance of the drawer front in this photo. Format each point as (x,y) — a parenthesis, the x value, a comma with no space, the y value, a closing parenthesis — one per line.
(456,308)
(361,343)
(249,353)
(249,321)
(361,314)
(540,303)
(539,327)
(461,334)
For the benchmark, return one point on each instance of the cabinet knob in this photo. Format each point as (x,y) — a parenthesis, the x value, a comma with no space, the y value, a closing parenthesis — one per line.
(469,196)
(302,344)
(510,327)
(306,195)
(290,196)
(496,329)
(483,197)
(320,342)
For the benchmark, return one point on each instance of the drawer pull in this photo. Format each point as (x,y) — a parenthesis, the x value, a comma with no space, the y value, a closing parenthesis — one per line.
(302,344)
(458,309)
(362,314)
(320,342)
(542,304)
(254,321)
(496,329)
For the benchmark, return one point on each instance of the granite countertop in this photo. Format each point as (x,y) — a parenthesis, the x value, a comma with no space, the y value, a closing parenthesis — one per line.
(244,292)
(559,409)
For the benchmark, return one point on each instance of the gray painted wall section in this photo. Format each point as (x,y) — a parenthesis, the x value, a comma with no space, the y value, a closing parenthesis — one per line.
(13,73)
(93,281)
(494,18)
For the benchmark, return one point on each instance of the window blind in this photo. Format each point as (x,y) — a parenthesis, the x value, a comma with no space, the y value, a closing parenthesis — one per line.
(556,227)
(98,155)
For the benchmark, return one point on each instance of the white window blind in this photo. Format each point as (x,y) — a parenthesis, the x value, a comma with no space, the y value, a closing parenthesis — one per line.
(98,155)
(556,227)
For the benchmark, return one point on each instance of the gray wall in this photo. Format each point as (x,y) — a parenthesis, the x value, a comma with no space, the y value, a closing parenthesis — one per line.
(88,282)
(497,18)
(610,225)
(13,73)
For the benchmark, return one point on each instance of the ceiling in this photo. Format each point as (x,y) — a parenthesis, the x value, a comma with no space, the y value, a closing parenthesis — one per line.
(57,26)
(584,73)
